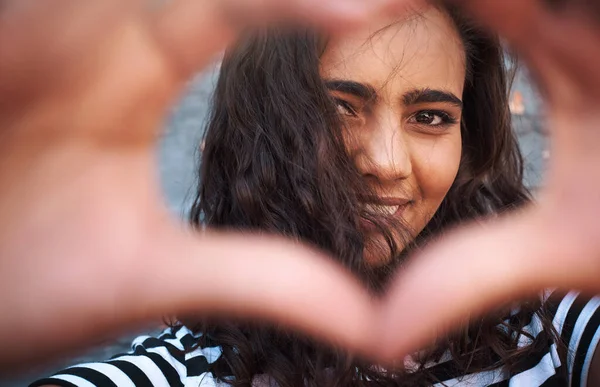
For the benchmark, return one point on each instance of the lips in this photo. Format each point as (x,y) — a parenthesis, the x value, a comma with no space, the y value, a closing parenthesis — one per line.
(388,206)
(381,209)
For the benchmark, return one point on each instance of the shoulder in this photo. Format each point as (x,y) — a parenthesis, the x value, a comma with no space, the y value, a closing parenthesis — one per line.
(562,335)
(576,317)
(172,358)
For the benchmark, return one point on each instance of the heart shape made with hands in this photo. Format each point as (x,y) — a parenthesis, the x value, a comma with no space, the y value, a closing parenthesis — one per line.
(85,235)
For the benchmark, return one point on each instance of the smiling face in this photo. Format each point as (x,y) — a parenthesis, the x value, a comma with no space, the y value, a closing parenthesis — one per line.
(398,89)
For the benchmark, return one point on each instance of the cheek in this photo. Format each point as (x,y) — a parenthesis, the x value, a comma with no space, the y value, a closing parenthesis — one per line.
(435,165)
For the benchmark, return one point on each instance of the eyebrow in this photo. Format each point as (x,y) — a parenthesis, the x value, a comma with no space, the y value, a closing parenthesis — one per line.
(417,96)
(412,97)
(360,90)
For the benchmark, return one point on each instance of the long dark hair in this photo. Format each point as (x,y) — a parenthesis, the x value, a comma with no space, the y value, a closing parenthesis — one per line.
(274,161)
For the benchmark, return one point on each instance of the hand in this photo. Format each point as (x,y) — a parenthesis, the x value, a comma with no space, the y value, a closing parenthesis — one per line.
(556,242)
(96,250)
(86,244)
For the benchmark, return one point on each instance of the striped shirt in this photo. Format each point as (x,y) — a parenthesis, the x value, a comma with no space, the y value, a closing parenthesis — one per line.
(173,358)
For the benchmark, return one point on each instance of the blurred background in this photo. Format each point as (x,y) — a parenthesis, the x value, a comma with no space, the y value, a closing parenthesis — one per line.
(179,151)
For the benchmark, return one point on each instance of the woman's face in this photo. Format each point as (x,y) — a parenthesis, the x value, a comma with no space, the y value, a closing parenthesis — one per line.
(398,89)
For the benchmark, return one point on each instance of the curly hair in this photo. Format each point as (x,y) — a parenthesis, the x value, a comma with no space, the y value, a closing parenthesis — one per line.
(274,161)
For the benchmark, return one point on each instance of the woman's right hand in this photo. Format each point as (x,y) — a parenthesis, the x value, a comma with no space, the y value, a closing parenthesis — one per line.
(86,244)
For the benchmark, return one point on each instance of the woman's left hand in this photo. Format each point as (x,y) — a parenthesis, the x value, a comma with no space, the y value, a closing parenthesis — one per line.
(556,241)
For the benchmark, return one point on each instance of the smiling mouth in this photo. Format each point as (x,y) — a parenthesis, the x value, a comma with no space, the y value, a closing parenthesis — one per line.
(388,207)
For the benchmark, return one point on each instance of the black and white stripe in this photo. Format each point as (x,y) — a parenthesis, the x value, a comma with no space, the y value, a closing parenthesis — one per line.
(173,358)
(168,360)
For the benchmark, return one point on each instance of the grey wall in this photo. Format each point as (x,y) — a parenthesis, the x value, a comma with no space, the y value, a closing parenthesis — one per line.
(178,151)
(531,132)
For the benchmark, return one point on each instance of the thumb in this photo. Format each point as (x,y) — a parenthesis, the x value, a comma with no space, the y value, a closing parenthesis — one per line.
(472,271)
(255,277)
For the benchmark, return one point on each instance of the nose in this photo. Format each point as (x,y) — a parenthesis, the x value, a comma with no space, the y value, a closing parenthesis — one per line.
(384,152)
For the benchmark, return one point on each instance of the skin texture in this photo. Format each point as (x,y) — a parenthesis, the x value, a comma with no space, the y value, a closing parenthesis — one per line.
(74,178)
(84,224)
(557,238)
(407,151)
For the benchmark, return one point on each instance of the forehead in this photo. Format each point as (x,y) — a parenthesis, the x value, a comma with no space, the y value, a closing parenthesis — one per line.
(422,50)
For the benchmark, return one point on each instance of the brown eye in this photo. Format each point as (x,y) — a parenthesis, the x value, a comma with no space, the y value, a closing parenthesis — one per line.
(344,108)
(428,118)
(432,118)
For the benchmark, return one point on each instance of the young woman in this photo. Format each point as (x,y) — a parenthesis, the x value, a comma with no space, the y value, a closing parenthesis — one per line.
(367,147)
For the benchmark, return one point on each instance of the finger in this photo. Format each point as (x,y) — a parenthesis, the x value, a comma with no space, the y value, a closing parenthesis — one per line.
(216,275)
(29,61)
(558,39)
(258,278)
(516,20)
(475,270)
(192,31)
(569,70)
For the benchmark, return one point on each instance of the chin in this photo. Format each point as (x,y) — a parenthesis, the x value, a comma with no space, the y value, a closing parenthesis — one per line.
(377,252)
